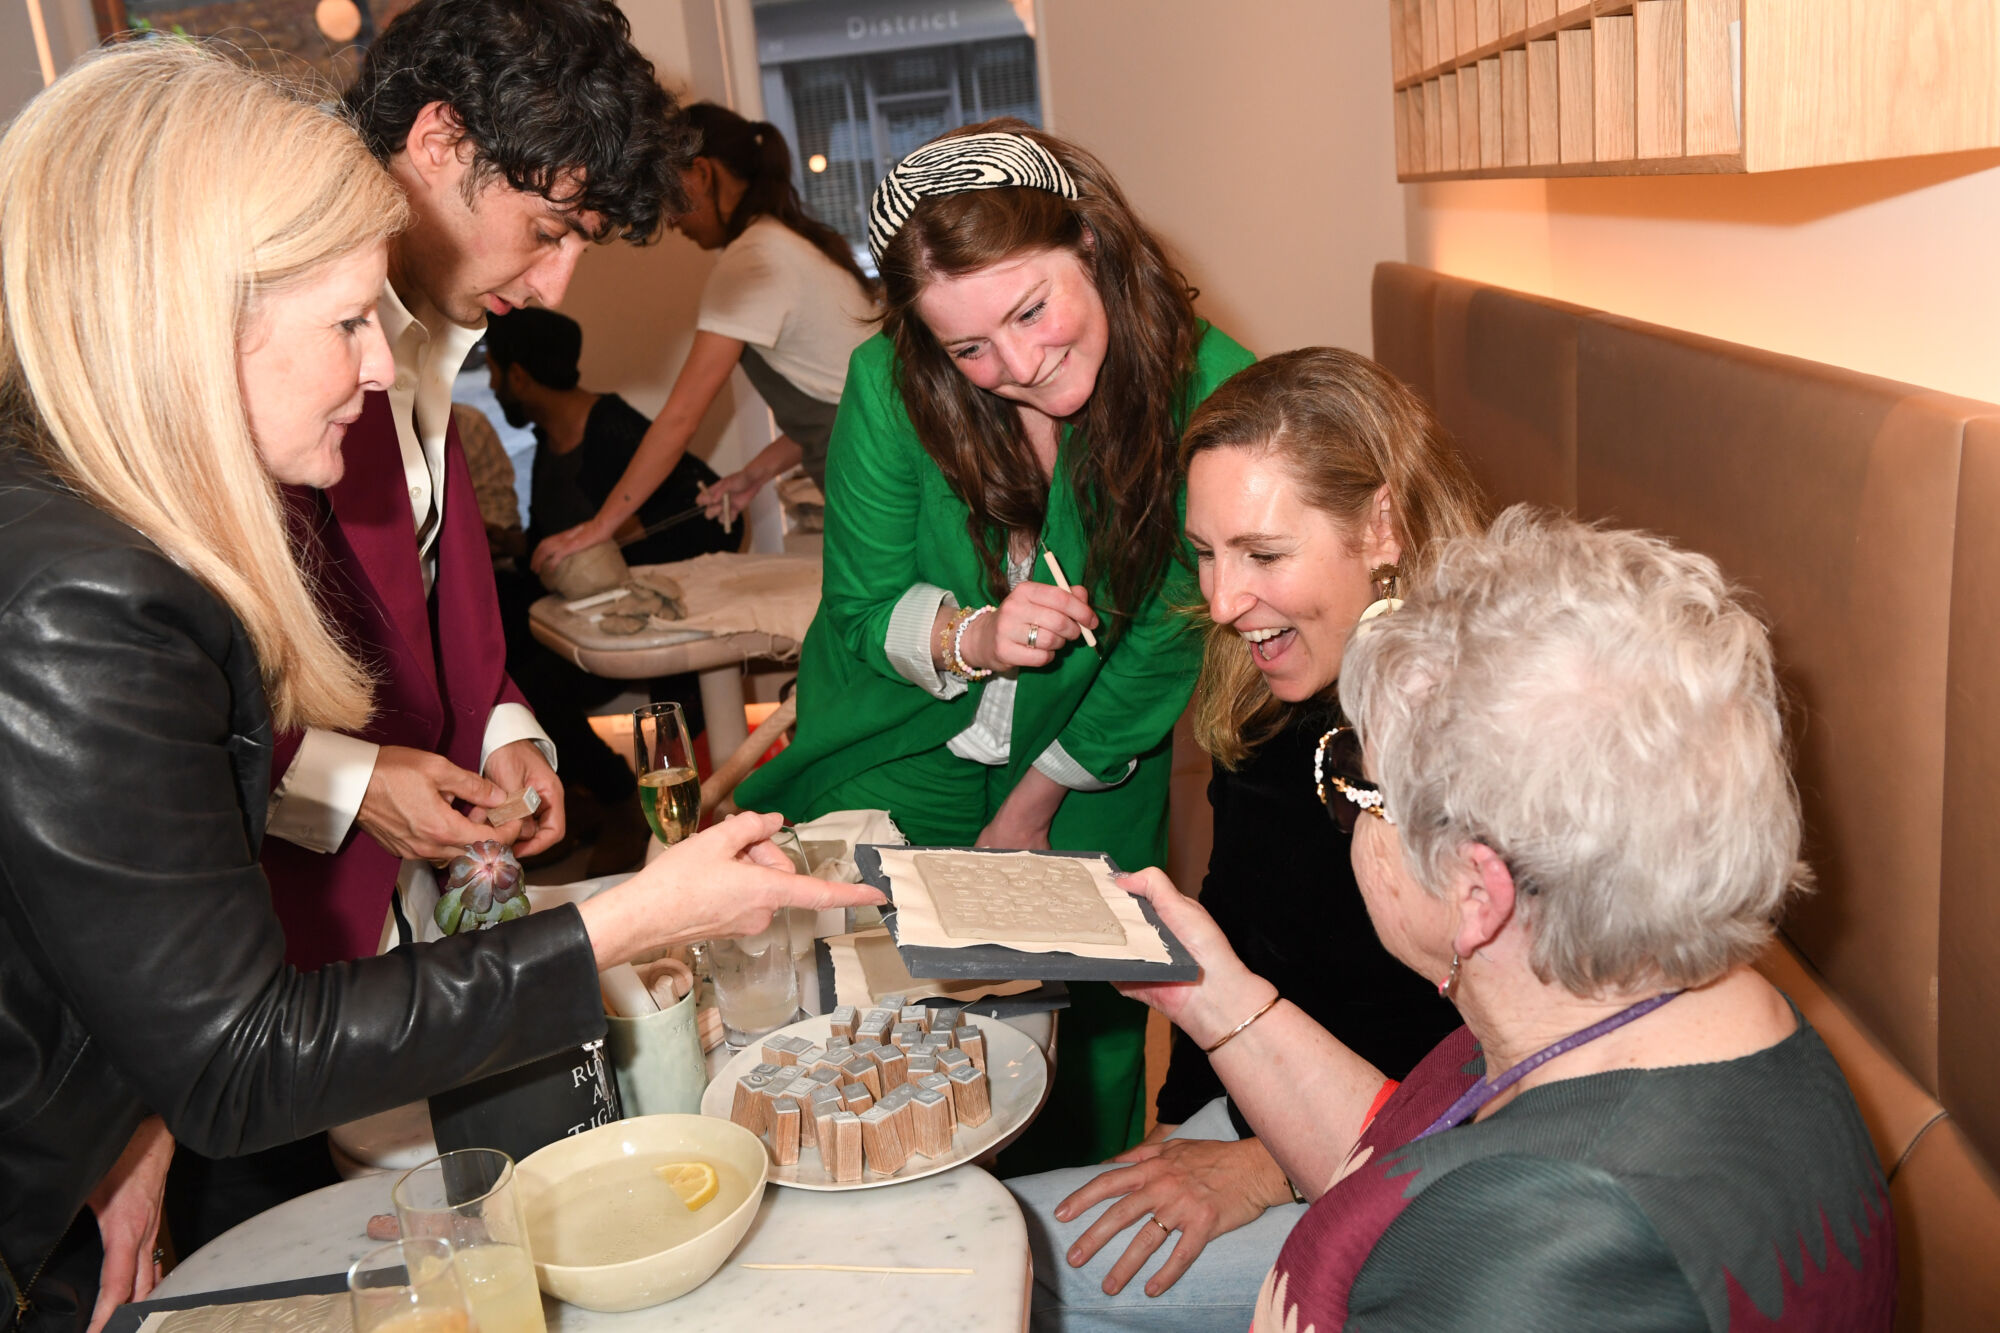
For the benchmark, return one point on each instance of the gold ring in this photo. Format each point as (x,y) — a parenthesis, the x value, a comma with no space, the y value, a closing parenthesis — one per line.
(1164,1228)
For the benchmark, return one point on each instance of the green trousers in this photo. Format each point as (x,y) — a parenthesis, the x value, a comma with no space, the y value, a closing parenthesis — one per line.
(1097,1103)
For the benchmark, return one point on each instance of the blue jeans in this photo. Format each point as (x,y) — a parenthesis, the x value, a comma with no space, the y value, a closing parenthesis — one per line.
(1218,1292)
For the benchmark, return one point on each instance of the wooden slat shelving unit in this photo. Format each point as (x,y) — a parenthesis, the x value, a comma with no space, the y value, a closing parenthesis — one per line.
(1495,88)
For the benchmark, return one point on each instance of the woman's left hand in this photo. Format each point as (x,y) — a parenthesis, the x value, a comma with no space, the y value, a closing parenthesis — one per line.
(567,543)
(1201,1188)
(127,1203)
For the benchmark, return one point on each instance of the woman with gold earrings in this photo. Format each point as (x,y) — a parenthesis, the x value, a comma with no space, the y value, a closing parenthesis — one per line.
(1316,481)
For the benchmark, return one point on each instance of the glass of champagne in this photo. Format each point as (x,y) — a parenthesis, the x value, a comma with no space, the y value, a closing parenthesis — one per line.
(669,787)
(409,1286)
(469,1199)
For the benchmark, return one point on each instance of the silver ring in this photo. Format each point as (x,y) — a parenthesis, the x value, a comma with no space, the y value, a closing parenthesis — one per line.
(1034,632)
(159,1256)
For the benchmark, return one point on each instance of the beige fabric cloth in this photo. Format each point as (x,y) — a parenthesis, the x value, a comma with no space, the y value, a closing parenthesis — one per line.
(866,967)
(728,593)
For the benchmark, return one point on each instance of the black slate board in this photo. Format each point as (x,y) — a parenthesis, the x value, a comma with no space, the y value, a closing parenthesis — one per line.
(1047,996)
(994,961)
(127,1318)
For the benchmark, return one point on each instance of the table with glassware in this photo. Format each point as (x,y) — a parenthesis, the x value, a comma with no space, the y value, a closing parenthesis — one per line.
(962,1220)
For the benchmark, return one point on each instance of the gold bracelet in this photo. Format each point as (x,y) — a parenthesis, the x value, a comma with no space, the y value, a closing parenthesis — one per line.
(1225,1038)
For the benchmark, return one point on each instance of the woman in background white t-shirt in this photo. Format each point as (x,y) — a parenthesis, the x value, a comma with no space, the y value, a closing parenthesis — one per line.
(786,301)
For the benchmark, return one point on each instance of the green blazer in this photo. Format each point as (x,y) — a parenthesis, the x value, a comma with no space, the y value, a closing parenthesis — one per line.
(892,522)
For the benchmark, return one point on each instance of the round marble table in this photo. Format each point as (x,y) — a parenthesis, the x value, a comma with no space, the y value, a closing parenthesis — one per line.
(960,1219)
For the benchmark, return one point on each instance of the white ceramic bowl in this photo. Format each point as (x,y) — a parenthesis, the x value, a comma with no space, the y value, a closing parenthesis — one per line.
(676,1270)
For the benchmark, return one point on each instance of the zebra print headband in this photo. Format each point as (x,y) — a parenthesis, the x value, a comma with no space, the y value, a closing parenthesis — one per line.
(953,166)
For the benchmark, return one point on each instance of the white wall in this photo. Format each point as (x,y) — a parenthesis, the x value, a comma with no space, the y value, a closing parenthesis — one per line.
(1256,139)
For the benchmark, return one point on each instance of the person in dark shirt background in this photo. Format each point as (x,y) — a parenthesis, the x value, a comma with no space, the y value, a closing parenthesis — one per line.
(583,442)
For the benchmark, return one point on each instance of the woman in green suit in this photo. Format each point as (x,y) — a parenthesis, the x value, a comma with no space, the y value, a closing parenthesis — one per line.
(1038,358)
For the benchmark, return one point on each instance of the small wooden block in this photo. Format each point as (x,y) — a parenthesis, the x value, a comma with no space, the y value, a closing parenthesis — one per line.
(950,1062)
(972,1042)
(518,806)
(920,1062)
(856,1097)
(835,1045)
(973,1100)
(778,1051)
(914,1013)
(905,1035)
(884,1145)
(785,1128)
(938,1083)
(826,1076)
(844,1019)
(893,1003)
(869,1075)
(945,1017)
(746,1106)
(844,1164)
(894,1066)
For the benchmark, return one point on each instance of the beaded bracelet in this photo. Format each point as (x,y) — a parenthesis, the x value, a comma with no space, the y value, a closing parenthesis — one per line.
(954,658)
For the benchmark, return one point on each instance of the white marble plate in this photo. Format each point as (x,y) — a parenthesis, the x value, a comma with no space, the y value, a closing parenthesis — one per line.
(1016,1077)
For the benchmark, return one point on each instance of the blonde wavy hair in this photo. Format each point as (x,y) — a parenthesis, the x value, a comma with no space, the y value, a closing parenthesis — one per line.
(149,199)
(1342,427)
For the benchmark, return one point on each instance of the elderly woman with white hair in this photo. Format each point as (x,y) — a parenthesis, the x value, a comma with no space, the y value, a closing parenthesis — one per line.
(1567,780)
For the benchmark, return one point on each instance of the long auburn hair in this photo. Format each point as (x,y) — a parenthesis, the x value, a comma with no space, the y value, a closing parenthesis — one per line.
(1125,477)
(1342,428)
(757,154)
(148,200)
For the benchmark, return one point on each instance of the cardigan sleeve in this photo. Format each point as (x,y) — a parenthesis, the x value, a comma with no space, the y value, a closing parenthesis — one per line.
(874,487)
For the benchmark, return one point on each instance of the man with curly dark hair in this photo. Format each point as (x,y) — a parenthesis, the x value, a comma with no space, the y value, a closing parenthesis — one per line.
(522,131)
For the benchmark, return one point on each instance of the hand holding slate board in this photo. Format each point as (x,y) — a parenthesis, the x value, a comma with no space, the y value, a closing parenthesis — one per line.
(992,960)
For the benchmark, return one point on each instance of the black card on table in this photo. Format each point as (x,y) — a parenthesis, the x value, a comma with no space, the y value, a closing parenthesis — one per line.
(995,962)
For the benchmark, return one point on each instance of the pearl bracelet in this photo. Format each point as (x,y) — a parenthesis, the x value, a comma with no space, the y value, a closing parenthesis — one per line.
(954,657)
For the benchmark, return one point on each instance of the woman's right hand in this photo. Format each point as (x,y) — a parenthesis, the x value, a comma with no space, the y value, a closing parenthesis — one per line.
(1000,641)
(1227,990)
(726,881)
(568,542)
(737,488)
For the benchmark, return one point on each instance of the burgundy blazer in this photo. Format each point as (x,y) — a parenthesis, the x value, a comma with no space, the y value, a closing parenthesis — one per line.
(439,666)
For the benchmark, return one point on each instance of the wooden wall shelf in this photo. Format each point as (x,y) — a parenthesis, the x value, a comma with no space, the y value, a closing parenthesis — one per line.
(1503,88)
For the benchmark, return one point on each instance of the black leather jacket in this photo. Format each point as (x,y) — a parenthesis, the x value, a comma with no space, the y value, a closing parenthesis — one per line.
(141,966)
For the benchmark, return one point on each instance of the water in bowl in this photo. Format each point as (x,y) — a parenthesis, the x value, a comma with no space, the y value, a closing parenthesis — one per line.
(618,1211)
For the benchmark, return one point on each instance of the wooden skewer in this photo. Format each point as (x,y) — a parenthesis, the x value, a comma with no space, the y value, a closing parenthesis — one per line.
(1055,569)
(854,1268)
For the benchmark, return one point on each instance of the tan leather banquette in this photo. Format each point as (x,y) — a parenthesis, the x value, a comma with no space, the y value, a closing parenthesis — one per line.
(1864,516)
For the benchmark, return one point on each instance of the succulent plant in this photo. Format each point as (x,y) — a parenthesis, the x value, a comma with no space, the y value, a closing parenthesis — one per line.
(482,888)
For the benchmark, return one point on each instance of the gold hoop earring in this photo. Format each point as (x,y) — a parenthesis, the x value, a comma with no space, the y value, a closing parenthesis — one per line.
(1387,581)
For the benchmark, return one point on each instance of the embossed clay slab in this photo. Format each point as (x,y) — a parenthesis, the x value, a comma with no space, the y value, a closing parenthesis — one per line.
(1047,899)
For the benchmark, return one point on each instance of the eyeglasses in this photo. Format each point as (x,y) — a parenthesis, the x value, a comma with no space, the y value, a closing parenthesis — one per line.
(1337,777)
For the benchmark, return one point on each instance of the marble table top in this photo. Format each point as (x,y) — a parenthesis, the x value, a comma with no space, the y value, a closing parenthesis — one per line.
(960,1219)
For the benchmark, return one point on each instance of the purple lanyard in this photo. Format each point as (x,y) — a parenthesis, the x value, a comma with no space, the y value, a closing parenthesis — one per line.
(1485,1090)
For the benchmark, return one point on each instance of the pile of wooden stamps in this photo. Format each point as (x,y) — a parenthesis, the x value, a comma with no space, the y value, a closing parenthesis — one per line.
(890,1082)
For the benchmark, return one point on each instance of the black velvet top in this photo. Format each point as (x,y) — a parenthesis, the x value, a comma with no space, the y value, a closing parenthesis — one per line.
(1281,887)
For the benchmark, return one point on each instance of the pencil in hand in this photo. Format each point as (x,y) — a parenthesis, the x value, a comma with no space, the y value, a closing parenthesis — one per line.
(1055,571)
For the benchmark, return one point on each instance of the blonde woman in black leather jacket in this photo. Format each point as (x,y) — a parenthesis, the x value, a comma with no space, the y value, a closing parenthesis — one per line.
(189,262)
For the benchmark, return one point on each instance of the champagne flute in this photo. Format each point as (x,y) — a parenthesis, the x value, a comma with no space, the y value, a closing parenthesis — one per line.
(409,1286)
(669,787)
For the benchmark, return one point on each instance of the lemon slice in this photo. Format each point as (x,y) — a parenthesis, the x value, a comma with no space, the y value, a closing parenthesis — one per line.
(695,1182)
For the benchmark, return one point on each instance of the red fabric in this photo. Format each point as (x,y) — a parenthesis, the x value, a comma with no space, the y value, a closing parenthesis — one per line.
(1382,1095)
(440,669)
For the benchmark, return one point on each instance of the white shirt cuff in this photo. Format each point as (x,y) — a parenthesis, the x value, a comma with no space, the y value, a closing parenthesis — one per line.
(908,642)
(321,793)
(513,722)
(1055,762)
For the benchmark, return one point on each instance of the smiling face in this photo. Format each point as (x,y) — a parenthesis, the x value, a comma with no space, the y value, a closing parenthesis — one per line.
(309,352)
(1281,573)
(1030,329)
